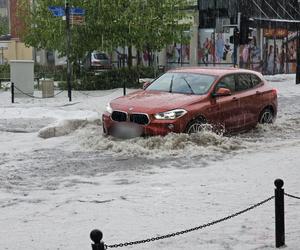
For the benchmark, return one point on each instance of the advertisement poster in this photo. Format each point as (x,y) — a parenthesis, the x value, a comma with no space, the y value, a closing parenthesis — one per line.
(214,48)
(280,51)
(179,53)
(250,55)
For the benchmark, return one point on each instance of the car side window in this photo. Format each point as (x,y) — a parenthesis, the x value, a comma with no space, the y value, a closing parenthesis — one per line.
(226,82)
(255,80)
(243,82)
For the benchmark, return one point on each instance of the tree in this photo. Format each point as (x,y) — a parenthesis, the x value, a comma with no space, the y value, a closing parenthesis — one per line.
(3,25)
(144,24)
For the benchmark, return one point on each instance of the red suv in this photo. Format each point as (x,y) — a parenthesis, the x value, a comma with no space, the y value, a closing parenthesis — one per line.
(182,100)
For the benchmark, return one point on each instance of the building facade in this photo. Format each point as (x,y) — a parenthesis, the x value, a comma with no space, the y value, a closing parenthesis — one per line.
(11,46)
(254,34)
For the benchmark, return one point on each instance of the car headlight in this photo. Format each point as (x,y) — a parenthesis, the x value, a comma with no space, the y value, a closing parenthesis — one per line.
(108,108)
(170,115)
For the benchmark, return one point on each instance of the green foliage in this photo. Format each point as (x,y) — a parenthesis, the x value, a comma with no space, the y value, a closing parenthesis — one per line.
(3,25)
(4,71)
(40,71)
(144,24)
(111,79)
(57,73)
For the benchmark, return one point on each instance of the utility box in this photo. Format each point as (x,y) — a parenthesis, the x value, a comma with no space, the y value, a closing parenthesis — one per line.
(22,75)
(47,88)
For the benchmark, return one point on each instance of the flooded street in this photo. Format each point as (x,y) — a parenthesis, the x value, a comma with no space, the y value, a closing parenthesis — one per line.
(57,189)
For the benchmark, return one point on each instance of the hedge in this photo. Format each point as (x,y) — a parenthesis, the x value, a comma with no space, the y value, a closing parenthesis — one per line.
(4,71)
(111,79)
(54,72)
(91,80)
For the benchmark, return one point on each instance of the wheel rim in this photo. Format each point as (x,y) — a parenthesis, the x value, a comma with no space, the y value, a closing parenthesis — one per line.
(267,117)
(195,128)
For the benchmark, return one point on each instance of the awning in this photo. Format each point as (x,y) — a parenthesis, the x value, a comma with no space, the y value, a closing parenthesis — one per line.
(275,13)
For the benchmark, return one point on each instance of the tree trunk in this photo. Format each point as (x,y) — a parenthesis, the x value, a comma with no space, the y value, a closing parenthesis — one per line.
(129,60)
(150,61)
(138,55)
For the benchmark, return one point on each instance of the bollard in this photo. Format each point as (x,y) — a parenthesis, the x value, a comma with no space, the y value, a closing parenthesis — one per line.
(12,88)
(96,236)
(124,88)
(279,213)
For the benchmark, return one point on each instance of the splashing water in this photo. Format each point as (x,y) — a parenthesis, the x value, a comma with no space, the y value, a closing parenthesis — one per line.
(203,143)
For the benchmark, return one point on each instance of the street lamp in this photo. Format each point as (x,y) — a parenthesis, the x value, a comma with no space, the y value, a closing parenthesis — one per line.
(68,33)
(298,50)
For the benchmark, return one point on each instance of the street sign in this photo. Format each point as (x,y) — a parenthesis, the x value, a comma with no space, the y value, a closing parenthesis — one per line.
(77,16)
(57,11)
(77,20)
(77,11)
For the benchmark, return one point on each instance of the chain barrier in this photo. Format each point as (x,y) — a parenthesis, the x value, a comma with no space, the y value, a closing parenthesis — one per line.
(292,196)
(59,93)
(191,229)
(36,97)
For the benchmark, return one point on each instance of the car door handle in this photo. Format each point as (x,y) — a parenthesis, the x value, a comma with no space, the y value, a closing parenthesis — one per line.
(258,92)
(235,99)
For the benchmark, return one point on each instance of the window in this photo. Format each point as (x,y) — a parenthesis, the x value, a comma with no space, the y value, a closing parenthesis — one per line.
(185,83)
(100,56)
(162,83)
(180,86)
(255,80)
(243,82)
(227,82)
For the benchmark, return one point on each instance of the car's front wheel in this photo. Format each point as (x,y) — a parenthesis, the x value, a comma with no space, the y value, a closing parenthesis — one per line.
(195,126)
(266,116)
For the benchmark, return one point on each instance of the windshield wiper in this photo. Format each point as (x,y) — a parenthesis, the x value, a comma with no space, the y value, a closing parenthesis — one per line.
(171,85)
(188,85)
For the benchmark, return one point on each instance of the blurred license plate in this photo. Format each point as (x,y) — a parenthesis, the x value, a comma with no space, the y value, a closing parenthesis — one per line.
(127,130)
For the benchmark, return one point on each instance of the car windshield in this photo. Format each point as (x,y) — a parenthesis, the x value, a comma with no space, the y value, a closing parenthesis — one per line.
(100,56)
(184,83)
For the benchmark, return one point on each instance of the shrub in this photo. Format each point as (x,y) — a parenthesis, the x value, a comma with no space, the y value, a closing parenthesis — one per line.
(4,71)
(57,73)
(111,79)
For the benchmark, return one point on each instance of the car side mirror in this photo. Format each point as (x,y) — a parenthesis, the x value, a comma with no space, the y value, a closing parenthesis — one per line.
(222,92)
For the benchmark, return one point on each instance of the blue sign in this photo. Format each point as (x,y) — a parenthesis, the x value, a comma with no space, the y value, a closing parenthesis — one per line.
(57,10)
(77,11)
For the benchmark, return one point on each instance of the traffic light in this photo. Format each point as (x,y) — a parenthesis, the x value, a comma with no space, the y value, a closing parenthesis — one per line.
(235,39)
(245,30)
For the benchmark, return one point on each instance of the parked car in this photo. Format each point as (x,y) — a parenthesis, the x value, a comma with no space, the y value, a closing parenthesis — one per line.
(97,61)
(182,100)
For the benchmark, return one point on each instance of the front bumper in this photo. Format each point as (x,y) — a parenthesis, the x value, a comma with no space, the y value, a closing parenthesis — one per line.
(155,127)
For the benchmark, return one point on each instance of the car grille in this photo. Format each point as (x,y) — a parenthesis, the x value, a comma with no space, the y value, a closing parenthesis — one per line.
(139,119)
(120,116)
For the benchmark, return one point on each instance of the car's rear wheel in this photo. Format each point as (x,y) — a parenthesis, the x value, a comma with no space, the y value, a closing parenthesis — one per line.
(195,126)
(266,116)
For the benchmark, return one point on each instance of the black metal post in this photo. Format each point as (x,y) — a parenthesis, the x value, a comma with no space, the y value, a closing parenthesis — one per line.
(214,46)
(279,213)
(275,55)
(235,45)
(180,49)
(298,57)
(96,236)
(12,88)
(124,88)
(287,55)
(68,31)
